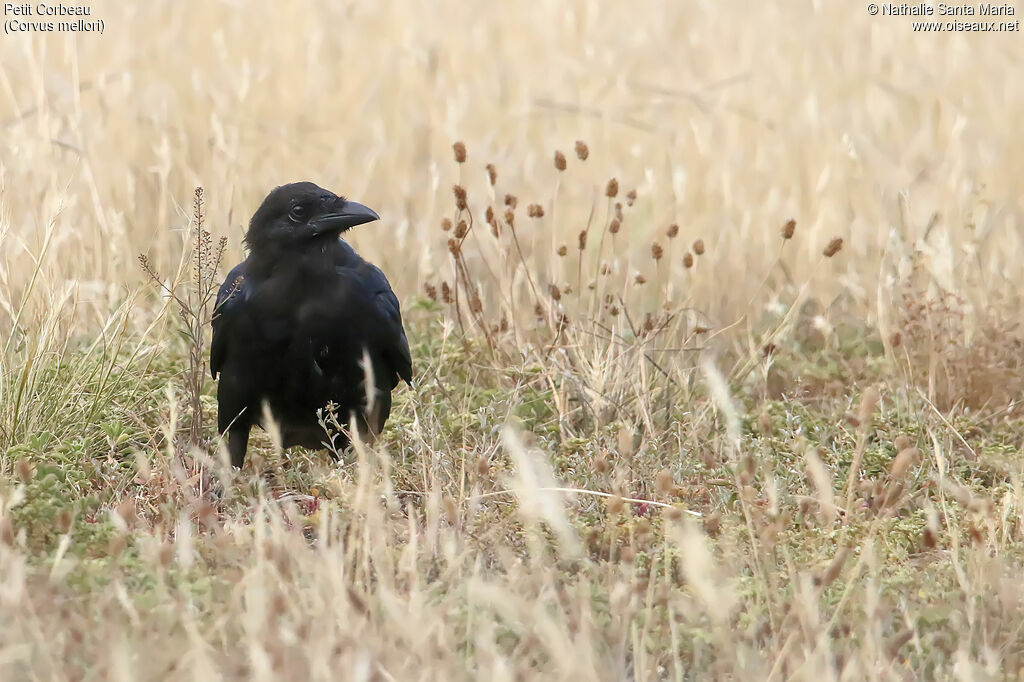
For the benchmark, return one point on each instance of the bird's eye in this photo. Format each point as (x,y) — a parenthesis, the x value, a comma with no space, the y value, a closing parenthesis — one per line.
(298,213)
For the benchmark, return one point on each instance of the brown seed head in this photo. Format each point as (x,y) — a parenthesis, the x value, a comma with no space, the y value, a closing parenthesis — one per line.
(454,247)
(698,247)
(615,504)
(446,292)
(489,215)
(461,230)
(562,250)
(868,401)
(460,197)
(903,461)
(430,290)
(615,225)
(618,211)
(555,292)
(475,304)
(510,217)
(460,152)
(639,279)
(672,231)
(833,247)
(560,161)
(788,229)
(663,482)
(446,224)
(583,240)
(64,519)
(582,152)
(601,462)
(630,197)
(535,211)
(25,471)
(492,174)
(7,535)
(511,201)
(482,466)
(687,260)
(612,189)
(656,251)
(902,443)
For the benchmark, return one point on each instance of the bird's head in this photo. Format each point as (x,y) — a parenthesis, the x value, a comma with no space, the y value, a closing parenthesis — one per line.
(302,216)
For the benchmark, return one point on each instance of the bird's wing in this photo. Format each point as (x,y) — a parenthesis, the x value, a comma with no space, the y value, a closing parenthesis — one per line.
(396,344)
(230,296)
(390,336)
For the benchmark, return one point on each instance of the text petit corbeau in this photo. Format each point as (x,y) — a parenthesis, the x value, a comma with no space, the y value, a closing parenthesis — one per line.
(44,9)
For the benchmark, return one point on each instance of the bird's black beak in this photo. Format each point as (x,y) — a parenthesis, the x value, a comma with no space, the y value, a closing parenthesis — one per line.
(350,215)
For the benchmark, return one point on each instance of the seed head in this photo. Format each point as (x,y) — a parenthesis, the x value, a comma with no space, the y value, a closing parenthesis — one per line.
(454,247)
(833,247)
(615,504)
(446,292)
(656,251)
(511,201)
(583,240)
(460,152)
(630,197)
(640,279)
(612,189)
(698,247)
(25,471)
(492,174)
(559,160)
(582,152)
(614,226)
(430,290)
(535,211)
(788,229)
(446,224)
(562,250)
(663,482)
(460,197)
(903,461)
(672,231)
(687,260)
(618,211)
(868,401)
(461,230)
(489,214)
(555,292)
(64,519)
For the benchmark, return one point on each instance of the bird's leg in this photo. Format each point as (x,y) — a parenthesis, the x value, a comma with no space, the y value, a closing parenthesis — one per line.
(238,442)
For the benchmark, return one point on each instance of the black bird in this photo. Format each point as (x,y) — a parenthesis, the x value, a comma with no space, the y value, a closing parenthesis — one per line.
(295,320)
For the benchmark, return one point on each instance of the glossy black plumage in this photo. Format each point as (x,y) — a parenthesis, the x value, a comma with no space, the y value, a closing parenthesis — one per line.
(293,321)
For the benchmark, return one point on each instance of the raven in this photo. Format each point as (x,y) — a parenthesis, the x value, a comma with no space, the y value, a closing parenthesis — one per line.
(296,323)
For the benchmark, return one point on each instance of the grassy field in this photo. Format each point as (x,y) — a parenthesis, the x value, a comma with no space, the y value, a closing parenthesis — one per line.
(714,310)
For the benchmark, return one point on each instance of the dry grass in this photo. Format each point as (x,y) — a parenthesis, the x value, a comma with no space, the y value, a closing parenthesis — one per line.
(659,431)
